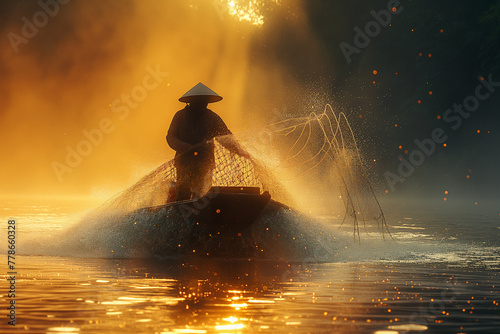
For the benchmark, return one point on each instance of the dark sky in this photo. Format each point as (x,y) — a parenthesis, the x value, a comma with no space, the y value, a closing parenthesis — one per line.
(428,56)
(419,59)
(438,50)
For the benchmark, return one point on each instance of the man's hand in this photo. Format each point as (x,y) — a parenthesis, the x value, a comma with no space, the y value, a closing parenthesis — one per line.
(177,144)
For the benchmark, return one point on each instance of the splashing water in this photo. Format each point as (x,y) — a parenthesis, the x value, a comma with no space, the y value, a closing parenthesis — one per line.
(310,166)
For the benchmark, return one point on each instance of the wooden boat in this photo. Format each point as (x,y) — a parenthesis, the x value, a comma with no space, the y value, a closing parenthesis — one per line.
(223,210)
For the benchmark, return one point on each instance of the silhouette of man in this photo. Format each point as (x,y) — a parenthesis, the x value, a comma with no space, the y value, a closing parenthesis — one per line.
(191,135)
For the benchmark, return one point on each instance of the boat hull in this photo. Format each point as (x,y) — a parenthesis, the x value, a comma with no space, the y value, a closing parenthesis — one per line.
(228,222)
(223,210)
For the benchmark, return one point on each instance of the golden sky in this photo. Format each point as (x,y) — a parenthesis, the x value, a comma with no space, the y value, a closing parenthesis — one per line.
(103,79)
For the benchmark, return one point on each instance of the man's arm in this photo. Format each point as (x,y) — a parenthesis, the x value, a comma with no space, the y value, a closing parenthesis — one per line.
(226,139)
(172,137)
(177,144)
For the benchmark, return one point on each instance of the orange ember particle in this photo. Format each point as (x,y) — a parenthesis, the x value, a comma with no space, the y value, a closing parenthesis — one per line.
(396,125)
(195,153)
(446,192)
(468,176)
(475,203)
(420,54)
(396,73)
(439,117)
(478,131)
(430,92)
(373,82)
(441,31)
(394,9)
(406,151)
(444,145)
(218,210)
(419,101)
(482,79)
(375,72)
(400,147)
(445,199)
(386,191)
(430,55)
(360,116)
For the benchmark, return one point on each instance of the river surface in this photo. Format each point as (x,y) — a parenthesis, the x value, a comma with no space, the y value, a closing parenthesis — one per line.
(440,275)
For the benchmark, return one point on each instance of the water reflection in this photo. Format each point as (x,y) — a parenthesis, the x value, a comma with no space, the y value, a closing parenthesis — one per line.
(63,295)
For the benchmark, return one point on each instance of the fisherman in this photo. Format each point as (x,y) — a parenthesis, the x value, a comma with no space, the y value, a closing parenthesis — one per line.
(191,135)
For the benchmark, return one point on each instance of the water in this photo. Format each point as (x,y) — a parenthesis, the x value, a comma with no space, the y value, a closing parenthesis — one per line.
(441,276)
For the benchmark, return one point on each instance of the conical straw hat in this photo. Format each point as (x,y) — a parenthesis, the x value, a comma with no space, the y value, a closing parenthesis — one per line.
(201,90)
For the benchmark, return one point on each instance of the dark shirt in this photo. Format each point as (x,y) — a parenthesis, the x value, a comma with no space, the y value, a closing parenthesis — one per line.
(195,127)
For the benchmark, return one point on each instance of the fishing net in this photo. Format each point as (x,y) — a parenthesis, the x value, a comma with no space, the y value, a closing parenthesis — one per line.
(309,163)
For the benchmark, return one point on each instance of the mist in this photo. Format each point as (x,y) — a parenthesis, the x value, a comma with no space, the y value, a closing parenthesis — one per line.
(88,98)
(104,78)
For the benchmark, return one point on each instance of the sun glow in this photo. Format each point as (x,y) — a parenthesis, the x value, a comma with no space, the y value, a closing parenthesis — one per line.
(248,10)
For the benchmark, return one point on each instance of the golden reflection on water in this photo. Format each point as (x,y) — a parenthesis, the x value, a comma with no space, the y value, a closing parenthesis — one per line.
(68,295)
(62,330)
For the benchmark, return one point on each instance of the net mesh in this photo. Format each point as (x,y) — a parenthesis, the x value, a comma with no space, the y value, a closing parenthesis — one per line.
(310,163)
